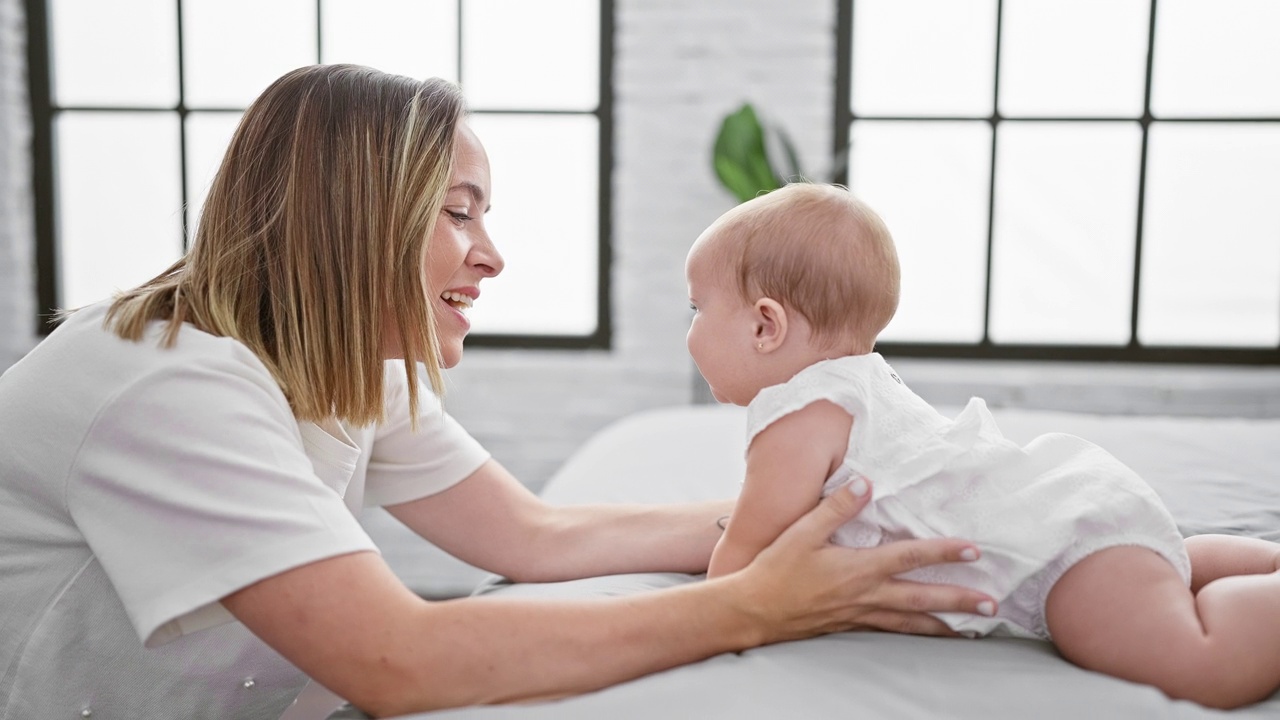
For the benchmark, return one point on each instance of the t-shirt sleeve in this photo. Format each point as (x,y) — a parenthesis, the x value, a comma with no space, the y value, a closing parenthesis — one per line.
(407,464)
(191,484)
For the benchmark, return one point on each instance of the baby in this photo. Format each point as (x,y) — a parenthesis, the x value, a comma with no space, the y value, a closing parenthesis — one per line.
(789,291)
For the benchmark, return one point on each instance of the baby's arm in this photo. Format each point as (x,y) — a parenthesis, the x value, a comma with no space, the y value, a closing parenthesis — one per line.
(787,464)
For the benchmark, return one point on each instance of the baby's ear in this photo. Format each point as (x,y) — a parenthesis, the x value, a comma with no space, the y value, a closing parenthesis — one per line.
(770,320)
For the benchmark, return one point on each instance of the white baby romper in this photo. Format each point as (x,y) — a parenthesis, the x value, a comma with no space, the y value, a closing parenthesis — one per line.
(1034,511)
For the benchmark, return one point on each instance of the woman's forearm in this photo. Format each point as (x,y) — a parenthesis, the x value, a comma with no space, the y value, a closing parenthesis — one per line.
(587,540)
(526,539)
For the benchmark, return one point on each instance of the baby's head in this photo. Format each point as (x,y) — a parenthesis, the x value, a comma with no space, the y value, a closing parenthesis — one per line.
(820,252)
(813,250)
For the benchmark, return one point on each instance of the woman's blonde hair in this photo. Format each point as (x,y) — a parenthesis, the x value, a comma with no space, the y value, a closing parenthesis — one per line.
(312,241)
(821,251)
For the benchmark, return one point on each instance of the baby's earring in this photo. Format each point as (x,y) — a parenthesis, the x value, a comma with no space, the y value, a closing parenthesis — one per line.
(759,346)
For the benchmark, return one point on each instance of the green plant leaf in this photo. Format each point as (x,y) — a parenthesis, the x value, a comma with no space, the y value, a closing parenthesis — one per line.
(739,155)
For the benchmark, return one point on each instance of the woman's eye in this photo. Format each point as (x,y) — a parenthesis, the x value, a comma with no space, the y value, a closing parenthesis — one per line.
(458,217)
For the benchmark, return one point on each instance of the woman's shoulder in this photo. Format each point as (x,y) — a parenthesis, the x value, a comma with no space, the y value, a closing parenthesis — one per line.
(90,328)
(86,363)
(86,392)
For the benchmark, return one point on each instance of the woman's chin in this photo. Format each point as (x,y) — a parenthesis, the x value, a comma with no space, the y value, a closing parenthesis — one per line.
(450,356)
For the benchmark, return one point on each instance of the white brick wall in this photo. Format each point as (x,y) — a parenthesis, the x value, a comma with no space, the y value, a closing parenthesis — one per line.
(17,285)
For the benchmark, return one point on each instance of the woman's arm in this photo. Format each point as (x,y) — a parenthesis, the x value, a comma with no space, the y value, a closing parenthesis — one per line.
(492,521)
(787,464)
(351,625)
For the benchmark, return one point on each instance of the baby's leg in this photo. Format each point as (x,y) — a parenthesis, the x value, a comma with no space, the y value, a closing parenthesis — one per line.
(1125,611)
(1219,556)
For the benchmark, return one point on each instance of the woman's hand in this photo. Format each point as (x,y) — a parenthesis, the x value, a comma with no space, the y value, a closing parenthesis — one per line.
(802,585)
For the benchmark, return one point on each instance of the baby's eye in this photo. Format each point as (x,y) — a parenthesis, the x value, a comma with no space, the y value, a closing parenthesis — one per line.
(693,307)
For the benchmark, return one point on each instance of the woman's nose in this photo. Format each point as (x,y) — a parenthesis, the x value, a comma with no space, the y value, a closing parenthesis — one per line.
(486,258)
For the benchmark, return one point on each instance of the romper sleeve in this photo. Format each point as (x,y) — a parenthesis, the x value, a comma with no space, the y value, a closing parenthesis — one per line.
(192,483)
(824,380)
(406,464)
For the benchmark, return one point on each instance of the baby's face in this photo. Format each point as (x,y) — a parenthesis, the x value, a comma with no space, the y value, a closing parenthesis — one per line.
(720,336)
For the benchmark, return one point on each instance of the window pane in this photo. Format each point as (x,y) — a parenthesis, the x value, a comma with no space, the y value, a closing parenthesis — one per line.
(234,49)
(929,182)
(1211,248)
(1043,71)
(545,222)
(119,201)
(1065,222)
(208,134)
(1217,57)
(923,57)
(418,38)
(534,56)
(117,53)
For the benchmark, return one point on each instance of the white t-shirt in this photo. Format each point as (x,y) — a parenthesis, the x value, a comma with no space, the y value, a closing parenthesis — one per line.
(139,485)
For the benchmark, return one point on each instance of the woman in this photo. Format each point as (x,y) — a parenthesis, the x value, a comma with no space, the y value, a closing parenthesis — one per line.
(183,464)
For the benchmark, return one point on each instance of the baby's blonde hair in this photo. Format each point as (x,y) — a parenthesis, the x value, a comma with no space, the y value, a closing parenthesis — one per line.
(820,251)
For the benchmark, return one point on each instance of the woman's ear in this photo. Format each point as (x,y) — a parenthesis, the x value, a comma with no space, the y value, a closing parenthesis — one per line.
(770,327)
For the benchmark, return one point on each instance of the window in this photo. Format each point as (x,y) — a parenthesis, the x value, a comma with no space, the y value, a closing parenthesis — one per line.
(134,102)
(1071,179)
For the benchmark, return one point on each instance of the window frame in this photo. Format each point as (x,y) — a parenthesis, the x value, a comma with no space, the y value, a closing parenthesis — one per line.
(44,112)
(985,349)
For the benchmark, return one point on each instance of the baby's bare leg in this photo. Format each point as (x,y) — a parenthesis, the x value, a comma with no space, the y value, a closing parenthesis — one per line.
(1126,612)
(1219,556)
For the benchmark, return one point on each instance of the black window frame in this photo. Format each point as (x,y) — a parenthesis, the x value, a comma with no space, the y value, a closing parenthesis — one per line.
(985,349)
(44,113)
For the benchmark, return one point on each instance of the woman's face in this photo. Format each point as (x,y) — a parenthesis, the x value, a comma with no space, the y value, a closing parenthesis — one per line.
(460,254)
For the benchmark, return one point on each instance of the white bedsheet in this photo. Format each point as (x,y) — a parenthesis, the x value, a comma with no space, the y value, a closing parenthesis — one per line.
(1217,475)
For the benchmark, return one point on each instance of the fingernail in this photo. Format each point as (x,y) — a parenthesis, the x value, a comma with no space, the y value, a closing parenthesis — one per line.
(859,487)
(986,607)
(968,554)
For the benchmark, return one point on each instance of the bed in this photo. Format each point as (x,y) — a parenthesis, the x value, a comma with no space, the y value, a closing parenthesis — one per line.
(1216,475)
